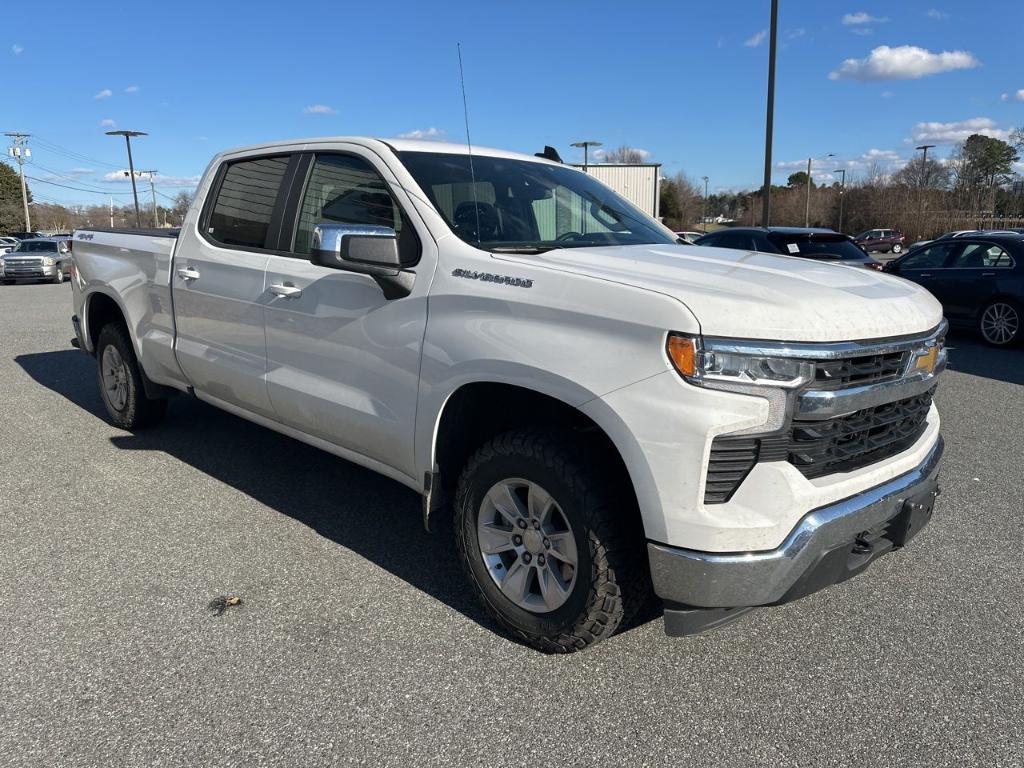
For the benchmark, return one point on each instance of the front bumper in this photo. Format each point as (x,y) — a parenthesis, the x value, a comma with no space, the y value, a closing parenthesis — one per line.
(828,545)
(28,273)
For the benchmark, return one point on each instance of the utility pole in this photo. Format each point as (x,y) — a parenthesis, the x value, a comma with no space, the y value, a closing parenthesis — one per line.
(152,191)
(20,152)
(704,208)
(111,211)
(131,167)
(842,189)
(766,201)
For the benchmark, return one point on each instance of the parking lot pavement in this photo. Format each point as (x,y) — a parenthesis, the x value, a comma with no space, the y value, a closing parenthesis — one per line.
(357,644)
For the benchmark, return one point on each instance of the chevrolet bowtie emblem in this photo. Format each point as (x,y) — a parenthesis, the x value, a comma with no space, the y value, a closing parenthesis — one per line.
(926,362)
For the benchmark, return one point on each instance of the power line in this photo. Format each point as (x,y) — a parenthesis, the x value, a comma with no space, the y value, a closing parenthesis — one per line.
(73,154)
(77,189)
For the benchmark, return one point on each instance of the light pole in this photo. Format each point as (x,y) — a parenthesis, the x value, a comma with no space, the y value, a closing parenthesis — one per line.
(131,168)
(586,147)
(807,202)
(766,201)
(704,208)
(924,164)
(842,188)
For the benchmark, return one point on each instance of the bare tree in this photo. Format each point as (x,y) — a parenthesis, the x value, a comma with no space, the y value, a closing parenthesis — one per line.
(626,155)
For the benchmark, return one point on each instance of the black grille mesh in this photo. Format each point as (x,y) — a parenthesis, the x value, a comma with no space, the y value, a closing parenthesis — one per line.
(858,371)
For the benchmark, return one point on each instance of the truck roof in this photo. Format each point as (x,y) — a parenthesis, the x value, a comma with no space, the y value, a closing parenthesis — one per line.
(398,145)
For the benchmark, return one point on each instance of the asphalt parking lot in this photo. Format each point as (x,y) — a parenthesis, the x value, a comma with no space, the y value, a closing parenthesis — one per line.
(357,643)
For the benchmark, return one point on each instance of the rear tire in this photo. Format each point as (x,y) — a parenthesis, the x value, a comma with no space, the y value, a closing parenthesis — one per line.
(120,380)
(542,507)
(1000,323)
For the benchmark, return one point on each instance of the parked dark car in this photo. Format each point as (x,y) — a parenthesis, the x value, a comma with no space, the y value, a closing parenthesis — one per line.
(822,244)
(883,240)
(978,278)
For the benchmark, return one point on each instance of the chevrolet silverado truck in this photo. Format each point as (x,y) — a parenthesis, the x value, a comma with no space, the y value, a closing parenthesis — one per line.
(602,414)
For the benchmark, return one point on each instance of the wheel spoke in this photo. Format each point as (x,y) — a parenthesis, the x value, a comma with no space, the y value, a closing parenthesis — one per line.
(552,590)
(494,539)
(515,581)
(540,504)
(508,505)
(563,547)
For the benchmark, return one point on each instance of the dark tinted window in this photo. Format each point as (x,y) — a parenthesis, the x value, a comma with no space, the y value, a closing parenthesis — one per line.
(761,243)
(245,201)
(346,190)
(831,248)
(929,257)
(739,241)
(37,246)
(981,256)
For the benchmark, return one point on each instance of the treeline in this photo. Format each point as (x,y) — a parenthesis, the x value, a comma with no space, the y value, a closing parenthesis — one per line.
(976,188)
(53,217)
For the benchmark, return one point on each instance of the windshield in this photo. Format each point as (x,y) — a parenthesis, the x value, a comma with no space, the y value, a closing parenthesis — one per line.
(518,205)
(819,247)
(32,246)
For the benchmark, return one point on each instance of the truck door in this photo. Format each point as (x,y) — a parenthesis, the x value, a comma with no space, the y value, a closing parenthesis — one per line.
(343,361)
(218,284)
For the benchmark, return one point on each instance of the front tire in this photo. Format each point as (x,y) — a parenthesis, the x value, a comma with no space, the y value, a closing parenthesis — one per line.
(58,278)
(552,548)
(1000,323)
(897,248)
(120,380)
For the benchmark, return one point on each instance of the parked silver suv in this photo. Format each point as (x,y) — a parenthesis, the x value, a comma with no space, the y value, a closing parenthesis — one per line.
(38,259)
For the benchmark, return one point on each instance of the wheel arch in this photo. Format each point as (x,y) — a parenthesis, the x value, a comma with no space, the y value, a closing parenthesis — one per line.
(480,410)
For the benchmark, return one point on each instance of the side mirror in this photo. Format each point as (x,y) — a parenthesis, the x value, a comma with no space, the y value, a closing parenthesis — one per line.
(366,249)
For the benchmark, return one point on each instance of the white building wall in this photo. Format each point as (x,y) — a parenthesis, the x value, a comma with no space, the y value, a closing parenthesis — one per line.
(640,184)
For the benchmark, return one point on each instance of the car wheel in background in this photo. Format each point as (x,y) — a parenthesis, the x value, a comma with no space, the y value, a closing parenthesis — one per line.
(59,277)
(120,382)
(553,549)
(1000,323)
(897,248)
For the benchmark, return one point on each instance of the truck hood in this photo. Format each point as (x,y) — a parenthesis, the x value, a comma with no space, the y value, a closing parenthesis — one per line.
(742,294)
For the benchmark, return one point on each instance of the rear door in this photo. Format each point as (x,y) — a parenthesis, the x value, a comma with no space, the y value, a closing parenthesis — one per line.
(343,361)
(218,283)
(971,278)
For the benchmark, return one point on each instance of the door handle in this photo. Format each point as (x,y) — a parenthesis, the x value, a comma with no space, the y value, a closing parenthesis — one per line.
(925,274)
(988,274)
(187,273)
(286,291)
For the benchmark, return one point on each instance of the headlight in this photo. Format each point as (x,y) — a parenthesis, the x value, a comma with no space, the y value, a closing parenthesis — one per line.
(710,367)
(49,261)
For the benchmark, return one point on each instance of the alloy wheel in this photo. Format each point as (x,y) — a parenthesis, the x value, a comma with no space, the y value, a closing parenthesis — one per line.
(527,545)
(115,378)
(1000,323)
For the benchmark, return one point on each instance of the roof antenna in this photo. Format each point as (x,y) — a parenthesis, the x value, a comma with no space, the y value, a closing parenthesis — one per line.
(469,144)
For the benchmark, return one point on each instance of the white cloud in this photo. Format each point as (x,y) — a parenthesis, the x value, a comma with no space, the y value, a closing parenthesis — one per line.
(756,39)
(952,133)
(161,180)
(17,49)
(106,93)
(320,109)
(132,89)
(873,154)
(430,134)
(935,14)
(860,17)
(793,34)
(785,165)
(904,62)
(80,171)
(887,94)
(108,123)
(1018,96)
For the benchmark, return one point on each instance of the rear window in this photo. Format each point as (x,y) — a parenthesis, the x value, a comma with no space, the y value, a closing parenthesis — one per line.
(245,202)
(831,248)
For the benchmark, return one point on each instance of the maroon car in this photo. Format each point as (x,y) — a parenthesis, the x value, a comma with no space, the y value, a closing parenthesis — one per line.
(885,240)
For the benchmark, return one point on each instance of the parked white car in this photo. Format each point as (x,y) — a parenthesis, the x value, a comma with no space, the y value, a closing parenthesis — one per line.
(608,415)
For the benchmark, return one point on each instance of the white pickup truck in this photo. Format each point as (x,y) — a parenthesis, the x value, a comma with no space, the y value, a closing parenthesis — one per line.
(605,414)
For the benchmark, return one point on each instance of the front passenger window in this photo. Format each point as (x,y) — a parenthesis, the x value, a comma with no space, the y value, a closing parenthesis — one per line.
(347,190)
(932,257)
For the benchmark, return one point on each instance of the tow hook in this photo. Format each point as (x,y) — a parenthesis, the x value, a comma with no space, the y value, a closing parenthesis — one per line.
(862,546)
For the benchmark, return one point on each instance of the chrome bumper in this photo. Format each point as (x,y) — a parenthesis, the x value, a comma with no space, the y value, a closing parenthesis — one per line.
(822,549)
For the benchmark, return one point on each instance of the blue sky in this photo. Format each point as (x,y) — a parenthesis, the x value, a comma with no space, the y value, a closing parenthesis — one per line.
(684,81)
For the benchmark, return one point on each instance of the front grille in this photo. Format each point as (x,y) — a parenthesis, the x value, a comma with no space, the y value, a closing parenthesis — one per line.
(858,371)
(846,443)
(817,448)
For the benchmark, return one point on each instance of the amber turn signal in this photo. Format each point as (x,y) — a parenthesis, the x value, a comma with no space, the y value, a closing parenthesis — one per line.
(683,353)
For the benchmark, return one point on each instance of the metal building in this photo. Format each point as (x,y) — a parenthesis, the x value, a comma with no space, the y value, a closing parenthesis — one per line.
(640,184)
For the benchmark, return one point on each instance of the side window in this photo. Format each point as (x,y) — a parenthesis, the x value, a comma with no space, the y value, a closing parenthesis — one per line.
(931,257)
(982,256)
(347,190)
(245,202)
